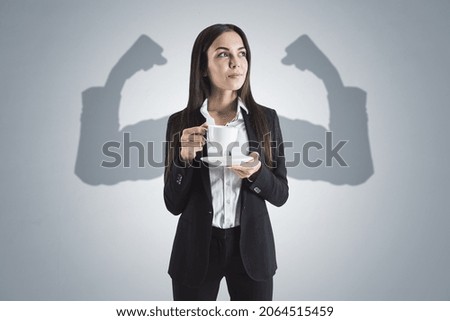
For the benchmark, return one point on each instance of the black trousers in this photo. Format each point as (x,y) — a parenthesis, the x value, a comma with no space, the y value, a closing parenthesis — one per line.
(225,261)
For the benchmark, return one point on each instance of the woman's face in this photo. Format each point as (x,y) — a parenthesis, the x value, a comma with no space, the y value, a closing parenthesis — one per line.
(227,62)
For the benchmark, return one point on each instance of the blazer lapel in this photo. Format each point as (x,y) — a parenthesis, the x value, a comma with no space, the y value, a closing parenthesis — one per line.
(254,145)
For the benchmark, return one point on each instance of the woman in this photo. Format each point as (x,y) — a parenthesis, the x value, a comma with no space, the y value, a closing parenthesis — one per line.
(224,229)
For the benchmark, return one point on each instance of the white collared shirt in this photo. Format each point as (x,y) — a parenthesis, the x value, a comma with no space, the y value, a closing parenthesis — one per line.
(225,184)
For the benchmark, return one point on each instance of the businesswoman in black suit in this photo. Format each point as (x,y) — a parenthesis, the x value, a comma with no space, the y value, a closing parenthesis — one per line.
(224,229)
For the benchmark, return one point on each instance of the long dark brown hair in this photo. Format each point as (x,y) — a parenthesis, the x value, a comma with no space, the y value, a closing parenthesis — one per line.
(200,89)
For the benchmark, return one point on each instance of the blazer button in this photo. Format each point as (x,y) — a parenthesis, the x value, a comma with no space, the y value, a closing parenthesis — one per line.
(257,190)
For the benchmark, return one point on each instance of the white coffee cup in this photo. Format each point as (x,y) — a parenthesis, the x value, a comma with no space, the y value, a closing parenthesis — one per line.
(221,140)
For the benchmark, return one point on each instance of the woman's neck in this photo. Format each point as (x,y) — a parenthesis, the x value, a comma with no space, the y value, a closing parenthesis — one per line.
(224,101)
(222,107)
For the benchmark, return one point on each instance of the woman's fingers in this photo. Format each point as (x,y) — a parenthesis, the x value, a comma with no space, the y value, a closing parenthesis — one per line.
(195,134)
(247,169)
(255,155)
(192,141)
(198,130)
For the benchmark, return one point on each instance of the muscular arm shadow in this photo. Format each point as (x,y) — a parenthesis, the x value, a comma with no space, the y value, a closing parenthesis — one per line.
(100,125)
(348,122)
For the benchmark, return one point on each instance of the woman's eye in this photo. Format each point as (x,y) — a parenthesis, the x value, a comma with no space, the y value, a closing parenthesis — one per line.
(222,54)
(243,54)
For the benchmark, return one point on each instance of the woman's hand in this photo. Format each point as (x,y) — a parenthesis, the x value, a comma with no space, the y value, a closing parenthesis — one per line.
(247,169)
(192,141)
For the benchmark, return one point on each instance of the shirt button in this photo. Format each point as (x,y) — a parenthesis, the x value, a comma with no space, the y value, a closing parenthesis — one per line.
(228,201)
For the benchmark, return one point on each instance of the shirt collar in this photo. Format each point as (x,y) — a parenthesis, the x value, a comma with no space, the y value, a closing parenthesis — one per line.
(209,119)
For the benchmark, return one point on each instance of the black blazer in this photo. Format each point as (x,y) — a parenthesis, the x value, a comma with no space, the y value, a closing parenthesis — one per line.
(187,191)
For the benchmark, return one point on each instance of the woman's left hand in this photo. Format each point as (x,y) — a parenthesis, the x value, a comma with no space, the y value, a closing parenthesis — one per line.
(249,168)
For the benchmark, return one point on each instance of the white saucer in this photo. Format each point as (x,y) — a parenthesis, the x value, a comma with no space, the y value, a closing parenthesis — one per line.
(226,160)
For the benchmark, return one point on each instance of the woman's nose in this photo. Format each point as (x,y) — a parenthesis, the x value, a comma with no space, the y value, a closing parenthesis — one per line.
(233,63)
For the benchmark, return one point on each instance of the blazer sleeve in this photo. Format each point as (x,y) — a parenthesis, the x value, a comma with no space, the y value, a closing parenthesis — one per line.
(271,182)
(179,180)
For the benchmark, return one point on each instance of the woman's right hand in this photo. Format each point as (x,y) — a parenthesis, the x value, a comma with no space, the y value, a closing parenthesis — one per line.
(192,141)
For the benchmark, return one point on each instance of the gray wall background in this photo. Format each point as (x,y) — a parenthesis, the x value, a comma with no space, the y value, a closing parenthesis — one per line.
(385,239)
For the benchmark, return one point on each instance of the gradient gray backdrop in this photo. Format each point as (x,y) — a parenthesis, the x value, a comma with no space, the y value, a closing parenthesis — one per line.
(385,239)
